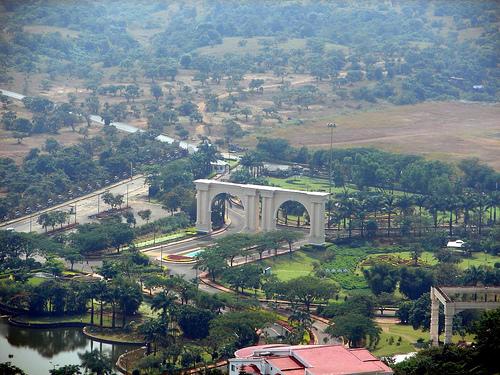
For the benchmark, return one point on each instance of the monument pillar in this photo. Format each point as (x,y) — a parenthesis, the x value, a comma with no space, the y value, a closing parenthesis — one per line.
(434,319)
(449,313)
(317,216)
(252,211)
(268,222)
(203,208)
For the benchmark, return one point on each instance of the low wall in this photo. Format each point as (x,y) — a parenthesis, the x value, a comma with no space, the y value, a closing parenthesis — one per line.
(12,320)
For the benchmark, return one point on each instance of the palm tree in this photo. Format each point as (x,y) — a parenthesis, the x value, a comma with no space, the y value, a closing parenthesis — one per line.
(468,204)
(481,209)
(153,330)
(389,201)
(91,293)
(165,303)
(101,293)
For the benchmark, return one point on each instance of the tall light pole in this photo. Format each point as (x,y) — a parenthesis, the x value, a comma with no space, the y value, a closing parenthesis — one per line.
(331,126)
(161,258)
(127,195)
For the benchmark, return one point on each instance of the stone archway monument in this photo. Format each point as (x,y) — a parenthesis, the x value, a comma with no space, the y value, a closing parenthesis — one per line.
(457,299)
(260,217)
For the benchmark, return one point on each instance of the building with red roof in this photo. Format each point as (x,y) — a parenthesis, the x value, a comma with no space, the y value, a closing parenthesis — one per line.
(281,359)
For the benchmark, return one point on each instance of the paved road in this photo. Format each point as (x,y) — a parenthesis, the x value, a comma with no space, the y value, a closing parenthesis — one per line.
(91,203)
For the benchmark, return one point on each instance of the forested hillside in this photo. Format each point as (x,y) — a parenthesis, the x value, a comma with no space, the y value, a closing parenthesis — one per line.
(408,51)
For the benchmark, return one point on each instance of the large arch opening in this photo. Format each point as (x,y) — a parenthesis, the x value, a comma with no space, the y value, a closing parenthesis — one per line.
(293,214)
(220,205)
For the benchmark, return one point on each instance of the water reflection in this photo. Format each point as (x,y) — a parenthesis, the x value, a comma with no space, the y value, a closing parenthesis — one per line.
(47,343)
(36,351)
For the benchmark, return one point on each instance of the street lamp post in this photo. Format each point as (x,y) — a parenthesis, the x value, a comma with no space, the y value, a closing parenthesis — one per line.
(127,195)
(331,126)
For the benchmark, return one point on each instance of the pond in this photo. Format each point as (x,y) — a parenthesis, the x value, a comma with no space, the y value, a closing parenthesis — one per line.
(36,351)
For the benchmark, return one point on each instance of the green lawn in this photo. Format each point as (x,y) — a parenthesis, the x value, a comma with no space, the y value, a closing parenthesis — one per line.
(305,183)
(116,334)
(85,318)
(479,259)
(299,264)
(35,281)
(409,337)
(344,268)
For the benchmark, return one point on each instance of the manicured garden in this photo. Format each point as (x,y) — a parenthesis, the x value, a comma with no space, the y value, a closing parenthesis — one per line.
(428,258)
(340,265)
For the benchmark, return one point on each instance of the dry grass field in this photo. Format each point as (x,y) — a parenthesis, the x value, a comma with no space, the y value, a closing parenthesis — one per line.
(436,129)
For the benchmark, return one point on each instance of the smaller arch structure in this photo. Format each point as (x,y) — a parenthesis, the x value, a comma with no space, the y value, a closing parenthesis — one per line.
(260,204)
(455,300)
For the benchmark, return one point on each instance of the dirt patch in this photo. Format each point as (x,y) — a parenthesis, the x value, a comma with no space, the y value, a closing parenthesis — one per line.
(10,148)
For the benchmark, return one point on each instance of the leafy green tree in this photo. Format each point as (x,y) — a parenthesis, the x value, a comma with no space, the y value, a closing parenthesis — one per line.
(309,289)
(194,321)
(54,266)
(487,331)
(355,328)
(238,329)
(9,369)
(96,362)
(211,261)
(381,278)
(66,370)
(145,214)
(156,91)
(415,282)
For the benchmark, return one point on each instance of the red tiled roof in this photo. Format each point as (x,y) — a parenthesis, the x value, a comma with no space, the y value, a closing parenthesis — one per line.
(335,359)
(251,369)
(248,351)
(285,363)
(294,372)
(318,359)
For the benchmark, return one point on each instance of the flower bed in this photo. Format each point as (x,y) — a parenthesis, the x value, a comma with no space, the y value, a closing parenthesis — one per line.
(176,258)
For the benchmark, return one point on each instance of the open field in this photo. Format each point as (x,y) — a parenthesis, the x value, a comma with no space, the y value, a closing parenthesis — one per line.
(442,130)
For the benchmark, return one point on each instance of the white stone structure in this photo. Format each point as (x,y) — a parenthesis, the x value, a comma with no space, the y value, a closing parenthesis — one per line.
(260,201)
(455,300)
